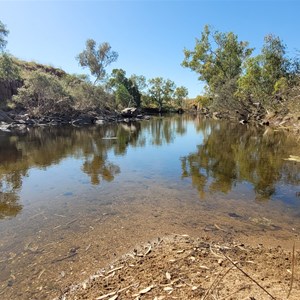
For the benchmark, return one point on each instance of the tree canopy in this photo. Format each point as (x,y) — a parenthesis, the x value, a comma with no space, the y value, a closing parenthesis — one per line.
(161,91)
(97,58)
(3,33)
(218,58)
(126,88)
(234,77)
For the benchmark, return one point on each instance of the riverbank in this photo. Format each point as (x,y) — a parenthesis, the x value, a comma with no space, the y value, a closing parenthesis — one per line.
(19,121)
(182,267)
(288,121)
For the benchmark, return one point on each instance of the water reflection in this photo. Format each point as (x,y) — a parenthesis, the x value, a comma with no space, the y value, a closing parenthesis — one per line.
(228,155)
(232,154)
(43,147)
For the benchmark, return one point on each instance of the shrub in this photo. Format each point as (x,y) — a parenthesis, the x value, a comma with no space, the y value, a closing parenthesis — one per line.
(43,93)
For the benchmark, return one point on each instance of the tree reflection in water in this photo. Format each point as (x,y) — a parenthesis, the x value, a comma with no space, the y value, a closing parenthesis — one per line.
(43,147)
(231,154)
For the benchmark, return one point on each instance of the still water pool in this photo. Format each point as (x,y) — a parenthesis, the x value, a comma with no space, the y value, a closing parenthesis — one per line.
(72,199)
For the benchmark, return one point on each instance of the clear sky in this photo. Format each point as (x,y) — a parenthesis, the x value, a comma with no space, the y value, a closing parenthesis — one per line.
(148,35)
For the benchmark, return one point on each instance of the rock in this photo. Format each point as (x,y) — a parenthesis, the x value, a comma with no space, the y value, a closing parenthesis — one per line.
(99,122)
(19,127)
(5,127)
(5,118)
(8,88)
(129,112)
(216,115)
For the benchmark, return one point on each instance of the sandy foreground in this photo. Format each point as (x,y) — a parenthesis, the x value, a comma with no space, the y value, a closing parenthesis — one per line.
(185,267)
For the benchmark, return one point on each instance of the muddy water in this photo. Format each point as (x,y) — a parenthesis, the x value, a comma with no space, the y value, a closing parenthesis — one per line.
(74,199)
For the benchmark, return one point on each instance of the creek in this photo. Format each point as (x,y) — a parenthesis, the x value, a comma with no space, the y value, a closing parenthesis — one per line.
(72,199)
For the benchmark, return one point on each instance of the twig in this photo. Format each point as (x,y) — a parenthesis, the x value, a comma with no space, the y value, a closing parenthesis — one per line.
(69,223)
(293,270)
(63,258)
(215,254)
(247,275)
(115,269)
(41,273)
(219,228)
(219,278)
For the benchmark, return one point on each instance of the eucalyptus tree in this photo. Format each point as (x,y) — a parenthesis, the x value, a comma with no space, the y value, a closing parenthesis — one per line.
(127,90)
(3,33)
(218,59)
(180,95)
(97,58)
(8,68)
(267,73)
(161,91)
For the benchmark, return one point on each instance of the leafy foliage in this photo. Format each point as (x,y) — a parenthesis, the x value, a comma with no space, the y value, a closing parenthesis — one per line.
(97,59)
(161,91)
(127,90)
(8,69)
(267,74)
(180,95)
(3,33)
(218,58)
(87,96)
(235,79)
(42,94)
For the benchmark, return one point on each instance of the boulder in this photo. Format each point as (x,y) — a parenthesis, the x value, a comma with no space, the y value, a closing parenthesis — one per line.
(129,112)
(5,127)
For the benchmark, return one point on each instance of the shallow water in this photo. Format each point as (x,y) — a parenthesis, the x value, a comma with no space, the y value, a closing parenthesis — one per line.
(72,199)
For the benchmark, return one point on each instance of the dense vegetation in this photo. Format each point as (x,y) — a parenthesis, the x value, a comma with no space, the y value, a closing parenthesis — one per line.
(46,90)
(235,79)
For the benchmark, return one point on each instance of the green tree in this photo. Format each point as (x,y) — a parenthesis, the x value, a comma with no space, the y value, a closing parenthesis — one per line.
(8,69)
(42,94)
(139,81)
(218,58)
(87,96)
(3,33)
(127,90)
(161,91)
(180,95)
(266,74)
(250,85)
(97,59)
(123,97)
(274,62)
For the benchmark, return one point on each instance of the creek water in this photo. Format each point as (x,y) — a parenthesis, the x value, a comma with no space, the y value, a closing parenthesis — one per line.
(72,199)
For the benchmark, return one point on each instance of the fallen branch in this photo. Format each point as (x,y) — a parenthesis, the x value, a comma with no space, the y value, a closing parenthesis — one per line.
(216,282)
(247,275)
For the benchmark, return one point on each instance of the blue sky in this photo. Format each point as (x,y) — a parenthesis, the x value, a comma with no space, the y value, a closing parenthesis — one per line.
(148,35)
